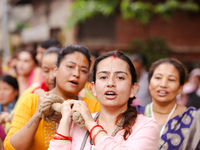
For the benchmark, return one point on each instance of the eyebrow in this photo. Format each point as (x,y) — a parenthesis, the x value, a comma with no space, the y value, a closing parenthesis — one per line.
(116,72)
(169,75)
(76,64)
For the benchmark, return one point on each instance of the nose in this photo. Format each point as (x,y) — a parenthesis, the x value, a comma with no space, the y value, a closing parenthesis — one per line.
(164,82)
(76,72)
(111,83)
(51,77)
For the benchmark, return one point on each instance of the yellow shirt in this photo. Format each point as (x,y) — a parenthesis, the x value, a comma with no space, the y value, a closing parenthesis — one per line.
(46,130)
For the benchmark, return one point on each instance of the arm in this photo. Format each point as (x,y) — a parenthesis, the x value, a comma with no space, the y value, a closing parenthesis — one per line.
(64,127)
(24,125)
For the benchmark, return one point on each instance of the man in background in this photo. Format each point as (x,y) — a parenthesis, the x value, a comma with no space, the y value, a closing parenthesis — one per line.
(143,95)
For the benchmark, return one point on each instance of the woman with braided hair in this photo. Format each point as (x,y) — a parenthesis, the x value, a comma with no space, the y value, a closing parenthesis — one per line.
(118,126)
(28,130)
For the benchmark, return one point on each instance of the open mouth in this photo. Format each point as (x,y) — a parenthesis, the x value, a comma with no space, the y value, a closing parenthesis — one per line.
(162,92)
(110,94)
(74,82)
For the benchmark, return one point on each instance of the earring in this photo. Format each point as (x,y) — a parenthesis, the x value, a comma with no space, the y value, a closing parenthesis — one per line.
(95,94)
(132,95)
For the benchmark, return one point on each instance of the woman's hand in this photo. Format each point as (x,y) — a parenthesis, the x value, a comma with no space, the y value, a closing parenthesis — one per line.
(81,107)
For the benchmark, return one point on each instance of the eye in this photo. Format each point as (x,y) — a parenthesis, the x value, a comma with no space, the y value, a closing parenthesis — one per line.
(103,77)
(171,80)
(120,78)
(158,78)
(84,71)
(71,67)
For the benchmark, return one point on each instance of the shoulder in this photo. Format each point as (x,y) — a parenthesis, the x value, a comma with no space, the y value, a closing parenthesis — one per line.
(93,104)
(146,121)
(30,99)
(140,109)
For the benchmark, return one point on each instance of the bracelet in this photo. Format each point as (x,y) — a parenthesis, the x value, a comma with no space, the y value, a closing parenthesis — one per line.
(93,140)
(93,129)
(63,137)
(57,138)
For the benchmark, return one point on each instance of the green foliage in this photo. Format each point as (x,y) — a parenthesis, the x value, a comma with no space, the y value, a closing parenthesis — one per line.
(153,49)
(138,10)
(129,9)
(167,9)
(84,9)
(20,26)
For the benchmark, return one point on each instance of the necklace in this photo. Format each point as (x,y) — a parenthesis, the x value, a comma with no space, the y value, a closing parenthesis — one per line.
(160,112)
(169,116)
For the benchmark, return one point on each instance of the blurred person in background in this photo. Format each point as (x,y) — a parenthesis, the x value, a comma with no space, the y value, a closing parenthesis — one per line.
(8,96)
(179,126)
(143,95)
(25,66)
(12,66)
(48,64)
(193,97)
(43,46)
(190,95)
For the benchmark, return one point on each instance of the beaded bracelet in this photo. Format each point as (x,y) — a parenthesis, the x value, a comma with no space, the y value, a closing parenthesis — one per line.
(93,129)
(94,137)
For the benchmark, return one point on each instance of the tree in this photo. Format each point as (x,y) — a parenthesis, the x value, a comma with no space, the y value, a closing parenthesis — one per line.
(129,9)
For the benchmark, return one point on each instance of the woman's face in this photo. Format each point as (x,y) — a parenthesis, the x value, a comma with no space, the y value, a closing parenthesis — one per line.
(7,93)
(165,83)
(25,64)
(72,73)
(48,64)
(113,85)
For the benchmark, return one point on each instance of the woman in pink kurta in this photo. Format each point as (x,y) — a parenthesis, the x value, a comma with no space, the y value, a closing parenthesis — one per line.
(118,125)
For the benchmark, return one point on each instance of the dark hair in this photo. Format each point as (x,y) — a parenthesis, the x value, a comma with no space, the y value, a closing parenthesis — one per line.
(11,81)
(130,114)
(139,58)
(49,43)
(94,53)
(177,64)
(32,53)
(52,50)
(71,49)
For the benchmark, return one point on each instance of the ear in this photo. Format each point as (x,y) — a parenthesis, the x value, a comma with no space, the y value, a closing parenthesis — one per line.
(93,89)
(180,89)
(134,89)
(16,93)
(149,87)
(55,71)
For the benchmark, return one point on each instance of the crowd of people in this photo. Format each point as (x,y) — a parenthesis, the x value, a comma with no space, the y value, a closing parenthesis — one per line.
(123,105)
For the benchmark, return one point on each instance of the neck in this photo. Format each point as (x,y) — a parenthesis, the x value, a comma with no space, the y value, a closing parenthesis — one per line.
(109,115)
(65,96)
(23,82)
(23,79)
(163,108)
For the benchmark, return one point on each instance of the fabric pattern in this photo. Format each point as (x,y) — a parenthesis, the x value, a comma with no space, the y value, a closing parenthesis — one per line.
(181,132)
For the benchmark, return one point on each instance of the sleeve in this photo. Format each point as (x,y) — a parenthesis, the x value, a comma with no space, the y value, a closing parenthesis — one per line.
(21,117)
(56,146)
(146,138)
(92,104)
